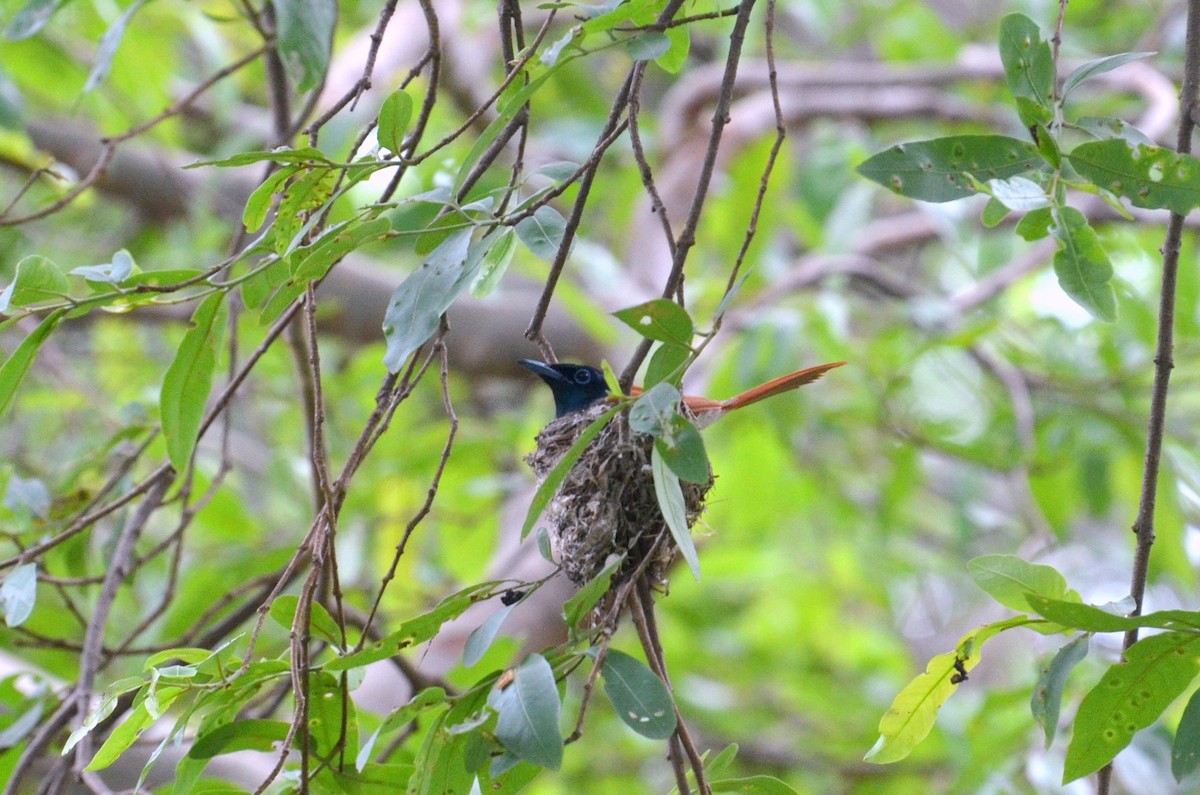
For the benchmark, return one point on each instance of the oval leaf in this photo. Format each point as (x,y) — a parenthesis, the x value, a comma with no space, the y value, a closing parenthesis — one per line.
(528,713)
(1149,176)
(1028,68)
(305,30)
(1008,579)
(1082,266)
(421,299)
(641,699)
(1185,751)
(660,319)
(1130,696)
(241,735)
(933,170)
(481,639)
(18,594)
(394,116)
(543,231)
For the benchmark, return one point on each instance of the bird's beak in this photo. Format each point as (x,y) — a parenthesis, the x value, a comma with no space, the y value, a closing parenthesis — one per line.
(545,371)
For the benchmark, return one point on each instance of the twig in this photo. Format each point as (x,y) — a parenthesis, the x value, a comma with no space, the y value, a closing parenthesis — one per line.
(1143,526)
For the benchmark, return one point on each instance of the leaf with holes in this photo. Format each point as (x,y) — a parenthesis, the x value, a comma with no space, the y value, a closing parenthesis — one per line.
(1149,176)
(661,320)
(936,170)
(640,698)
(1130,696)
(1028,68)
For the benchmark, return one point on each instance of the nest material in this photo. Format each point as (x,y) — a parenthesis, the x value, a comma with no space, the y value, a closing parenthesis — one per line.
(607,503)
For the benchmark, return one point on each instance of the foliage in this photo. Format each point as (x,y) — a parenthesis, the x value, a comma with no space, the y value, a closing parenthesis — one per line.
(228,511)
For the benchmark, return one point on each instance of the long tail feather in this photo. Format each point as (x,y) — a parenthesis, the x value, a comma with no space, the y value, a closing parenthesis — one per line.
(777,386)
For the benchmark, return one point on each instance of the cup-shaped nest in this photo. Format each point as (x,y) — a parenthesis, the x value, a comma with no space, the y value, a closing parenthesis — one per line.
(607,503)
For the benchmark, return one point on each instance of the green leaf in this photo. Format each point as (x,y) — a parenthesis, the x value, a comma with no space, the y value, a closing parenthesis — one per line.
(189,379)
(419,302)
(259,203)
(501,247)
(305,30)
(647,46)
(1035,224)
(332,716)
(913,712)
(754,785)
(1130,696)
(580,605)
(528,711)
(640,698)
(1008,579)
(304,195)
(1048,692)
(661,320)
(652,412)
(314,261)
(1185,751)
(320,622)
(674,58)
(555,477)
(934,170)
(18,594)
(28,496)
(543,231)
(110,42)
(401,717)
(305,155)
(1082,265)
(37,279)
(1105,129)
(1028,68)
(1099,66)
(1149,176)
(1090,618)
(127,732)
(682,448)
(1018,193)
(240,735)
(481,638)
(674,509)
(666,359)
(14,368)
(414,631)
(394,116)
(32,17)
(993,212)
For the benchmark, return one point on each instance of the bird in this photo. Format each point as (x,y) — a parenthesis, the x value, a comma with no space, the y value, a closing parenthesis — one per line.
(578,386)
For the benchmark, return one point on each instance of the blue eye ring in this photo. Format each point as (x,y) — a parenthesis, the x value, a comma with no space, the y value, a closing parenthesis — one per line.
(583,377)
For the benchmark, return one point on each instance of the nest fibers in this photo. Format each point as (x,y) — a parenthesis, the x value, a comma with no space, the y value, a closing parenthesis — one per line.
(607,504)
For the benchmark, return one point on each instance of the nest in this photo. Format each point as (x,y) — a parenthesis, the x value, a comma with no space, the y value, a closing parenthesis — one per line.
(607,504)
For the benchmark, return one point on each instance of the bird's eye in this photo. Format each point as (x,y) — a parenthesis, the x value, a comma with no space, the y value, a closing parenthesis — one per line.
(583,377)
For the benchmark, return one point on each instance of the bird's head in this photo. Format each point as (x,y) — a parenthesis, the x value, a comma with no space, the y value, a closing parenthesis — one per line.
(575,386)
